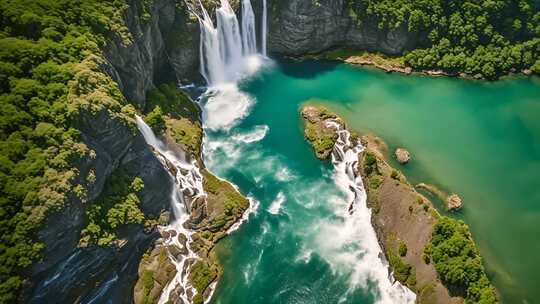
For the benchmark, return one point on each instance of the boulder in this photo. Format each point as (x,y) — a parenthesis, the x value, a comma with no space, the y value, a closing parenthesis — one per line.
(403,156)
(453,202)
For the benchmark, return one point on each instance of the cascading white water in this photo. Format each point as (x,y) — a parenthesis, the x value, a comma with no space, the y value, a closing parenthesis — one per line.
(249,39)
(212,67)
(356,227)
(229,35)
(228,52)
(263,29)
(188,182)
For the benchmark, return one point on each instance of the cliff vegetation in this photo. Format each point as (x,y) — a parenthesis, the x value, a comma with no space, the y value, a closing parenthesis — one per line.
(479,38)
(49,74)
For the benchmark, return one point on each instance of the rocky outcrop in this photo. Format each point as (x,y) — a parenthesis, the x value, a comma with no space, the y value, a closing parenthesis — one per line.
(155,271)
(299,27)
(452,201)
(162,45)
(403,156)
(317,131)
(67,272)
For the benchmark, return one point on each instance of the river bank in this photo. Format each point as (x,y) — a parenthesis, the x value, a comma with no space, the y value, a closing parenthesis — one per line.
(406,222)
(182,264)
(390,64)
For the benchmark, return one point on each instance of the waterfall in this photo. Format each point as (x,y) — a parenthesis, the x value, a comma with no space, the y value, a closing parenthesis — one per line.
(357,227)
(210,57)
(249,40)
(229,35)
(263,29)
(188,185)
(228,52)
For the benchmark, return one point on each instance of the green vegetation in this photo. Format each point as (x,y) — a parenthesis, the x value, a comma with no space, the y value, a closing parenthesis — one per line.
(173,102)
(49,76)
(480,38)
(458,262)
(402,249)
(233,202)
(186,133)
(321,137)
(374,180)
(118,206)
(403,272)
(171,110)
(200,276)
(155,120)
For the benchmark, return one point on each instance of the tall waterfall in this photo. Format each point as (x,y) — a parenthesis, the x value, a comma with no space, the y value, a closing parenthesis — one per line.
(264,30)
(249,40)
(228,52)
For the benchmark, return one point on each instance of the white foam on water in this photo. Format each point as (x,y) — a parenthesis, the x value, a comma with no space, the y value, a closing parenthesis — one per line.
(225,106)
(284,174)
(257,134)
(253,206)
(275,207)
(348,241)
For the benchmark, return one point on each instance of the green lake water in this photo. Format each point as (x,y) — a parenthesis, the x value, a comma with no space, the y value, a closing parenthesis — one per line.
(480,140)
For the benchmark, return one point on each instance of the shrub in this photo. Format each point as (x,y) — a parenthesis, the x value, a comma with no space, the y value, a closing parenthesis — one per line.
(155,120)
(402,249)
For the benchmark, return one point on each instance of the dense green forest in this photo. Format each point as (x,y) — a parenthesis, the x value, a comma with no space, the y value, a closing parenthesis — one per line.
(49,74)
(458,262)
(482,38)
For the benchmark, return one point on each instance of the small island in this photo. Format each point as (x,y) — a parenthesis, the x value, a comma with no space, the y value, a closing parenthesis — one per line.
(412,233)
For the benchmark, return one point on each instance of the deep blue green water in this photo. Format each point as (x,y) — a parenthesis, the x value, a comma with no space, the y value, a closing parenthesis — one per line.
(481,140)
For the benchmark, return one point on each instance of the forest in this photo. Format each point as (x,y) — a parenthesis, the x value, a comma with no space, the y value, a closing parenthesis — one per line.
(484,39)
(49,74)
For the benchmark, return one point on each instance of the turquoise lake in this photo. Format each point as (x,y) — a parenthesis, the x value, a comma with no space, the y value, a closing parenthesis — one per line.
(478,139)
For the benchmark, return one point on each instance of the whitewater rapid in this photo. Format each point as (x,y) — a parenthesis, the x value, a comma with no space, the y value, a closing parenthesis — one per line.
(354,242)
(188,181)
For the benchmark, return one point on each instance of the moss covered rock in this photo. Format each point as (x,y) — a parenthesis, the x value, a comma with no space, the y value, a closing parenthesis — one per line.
(155,272)
(318,132)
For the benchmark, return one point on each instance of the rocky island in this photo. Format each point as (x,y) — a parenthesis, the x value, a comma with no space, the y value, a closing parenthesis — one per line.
(411,232)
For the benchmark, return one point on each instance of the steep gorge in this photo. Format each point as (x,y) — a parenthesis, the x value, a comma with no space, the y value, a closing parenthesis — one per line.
(163,46)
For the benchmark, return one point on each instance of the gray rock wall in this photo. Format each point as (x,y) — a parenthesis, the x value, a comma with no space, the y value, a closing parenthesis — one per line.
(300,27)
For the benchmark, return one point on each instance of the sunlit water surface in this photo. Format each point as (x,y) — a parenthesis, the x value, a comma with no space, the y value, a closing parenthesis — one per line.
(481,140)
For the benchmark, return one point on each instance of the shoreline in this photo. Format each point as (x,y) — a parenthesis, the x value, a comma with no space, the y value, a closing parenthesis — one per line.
(390,64)
(403,219)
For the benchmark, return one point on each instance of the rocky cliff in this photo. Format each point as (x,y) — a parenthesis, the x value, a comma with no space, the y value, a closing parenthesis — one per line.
(161,45)
(298,27)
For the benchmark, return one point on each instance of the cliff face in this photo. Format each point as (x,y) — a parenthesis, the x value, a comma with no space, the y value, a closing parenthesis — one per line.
(298,27)
(69,273)
(163,46)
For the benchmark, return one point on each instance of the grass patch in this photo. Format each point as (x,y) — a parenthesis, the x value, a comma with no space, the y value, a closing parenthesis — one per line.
(187,133)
